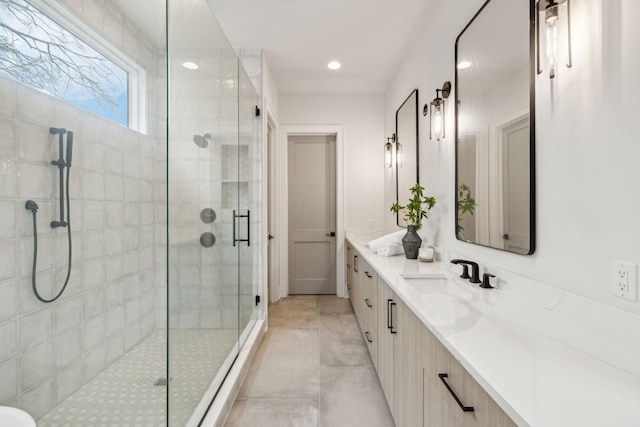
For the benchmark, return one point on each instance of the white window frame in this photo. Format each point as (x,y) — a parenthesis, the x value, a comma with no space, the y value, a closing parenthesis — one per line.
(137,81)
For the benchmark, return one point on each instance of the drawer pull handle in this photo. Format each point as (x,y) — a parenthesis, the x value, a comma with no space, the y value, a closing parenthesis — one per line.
(355,263)
(368,275)
(392,311)
(453,393)
(369,339)
(366,301)
(389,324)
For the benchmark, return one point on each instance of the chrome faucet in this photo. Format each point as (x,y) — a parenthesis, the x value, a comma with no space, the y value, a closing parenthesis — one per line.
(475,270)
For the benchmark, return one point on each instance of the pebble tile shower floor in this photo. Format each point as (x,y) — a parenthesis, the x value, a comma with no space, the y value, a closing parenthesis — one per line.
(125,394)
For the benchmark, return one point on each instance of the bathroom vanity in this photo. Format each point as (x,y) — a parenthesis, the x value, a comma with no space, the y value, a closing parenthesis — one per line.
(449,353)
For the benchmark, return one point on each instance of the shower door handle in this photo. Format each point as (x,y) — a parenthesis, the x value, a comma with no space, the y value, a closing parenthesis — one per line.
(235,217)
(248,216)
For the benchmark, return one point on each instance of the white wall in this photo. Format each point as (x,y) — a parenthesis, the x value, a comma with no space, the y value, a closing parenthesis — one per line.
(362,119)
(587,148)
(269,88)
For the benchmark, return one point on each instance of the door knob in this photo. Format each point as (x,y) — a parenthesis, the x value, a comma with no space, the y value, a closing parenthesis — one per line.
(332,234)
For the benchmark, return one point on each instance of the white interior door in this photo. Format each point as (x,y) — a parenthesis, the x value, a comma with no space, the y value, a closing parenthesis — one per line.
(516,191)
(312,214)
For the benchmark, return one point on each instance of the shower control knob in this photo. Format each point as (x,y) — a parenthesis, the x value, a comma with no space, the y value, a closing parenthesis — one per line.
(207,240)
(208,215)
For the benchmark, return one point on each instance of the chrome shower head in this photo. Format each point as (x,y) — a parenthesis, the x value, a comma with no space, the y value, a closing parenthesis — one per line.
(202,141)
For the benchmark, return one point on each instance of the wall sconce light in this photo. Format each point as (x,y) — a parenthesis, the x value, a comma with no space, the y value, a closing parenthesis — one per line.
(388,151)
(551,11)
(436,113)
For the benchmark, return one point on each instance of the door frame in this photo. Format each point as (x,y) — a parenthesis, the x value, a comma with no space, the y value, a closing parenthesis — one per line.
(270,120)
(282,200)
(271,275)
(495,179)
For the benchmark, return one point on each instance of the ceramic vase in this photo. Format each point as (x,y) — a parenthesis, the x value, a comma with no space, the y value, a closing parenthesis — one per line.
(411,243)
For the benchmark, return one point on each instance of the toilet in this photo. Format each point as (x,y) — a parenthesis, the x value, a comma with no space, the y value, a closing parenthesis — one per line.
(14,417)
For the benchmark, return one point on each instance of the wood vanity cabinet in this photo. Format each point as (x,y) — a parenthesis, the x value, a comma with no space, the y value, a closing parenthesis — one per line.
(356,287)
(364,300)
(412,363)
(370,307)
(386,345)
(440,406)
(349,265)
(399,367)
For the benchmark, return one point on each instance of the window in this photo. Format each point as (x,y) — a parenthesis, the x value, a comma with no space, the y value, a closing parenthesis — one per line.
(49,49)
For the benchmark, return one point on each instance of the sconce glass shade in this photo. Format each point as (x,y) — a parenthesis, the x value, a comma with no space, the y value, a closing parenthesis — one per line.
(436,113)
(552,18)
(388,155)
(437,119)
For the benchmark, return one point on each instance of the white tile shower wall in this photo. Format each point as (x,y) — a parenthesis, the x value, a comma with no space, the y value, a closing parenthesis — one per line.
(204,281)
(47,351)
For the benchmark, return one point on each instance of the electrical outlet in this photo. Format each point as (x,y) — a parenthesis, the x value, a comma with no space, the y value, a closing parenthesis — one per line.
(624,280)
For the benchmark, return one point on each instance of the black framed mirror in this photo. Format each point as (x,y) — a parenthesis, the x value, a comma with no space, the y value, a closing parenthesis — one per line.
(406,152)
(495,127)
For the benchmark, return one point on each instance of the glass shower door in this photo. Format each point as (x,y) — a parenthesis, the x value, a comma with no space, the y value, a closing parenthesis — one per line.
(202,197)
(249,202)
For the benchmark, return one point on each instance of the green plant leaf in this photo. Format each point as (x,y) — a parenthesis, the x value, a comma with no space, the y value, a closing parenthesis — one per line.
(418,207)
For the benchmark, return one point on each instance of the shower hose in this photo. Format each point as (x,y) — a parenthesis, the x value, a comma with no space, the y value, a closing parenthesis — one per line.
(35,250)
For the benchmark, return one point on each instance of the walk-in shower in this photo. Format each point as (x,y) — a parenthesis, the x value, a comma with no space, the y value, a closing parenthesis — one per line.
(127,286)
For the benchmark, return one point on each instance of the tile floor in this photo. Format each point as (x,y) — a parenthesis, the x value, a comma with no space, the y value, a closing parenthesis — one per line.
(126,394)
(312,369)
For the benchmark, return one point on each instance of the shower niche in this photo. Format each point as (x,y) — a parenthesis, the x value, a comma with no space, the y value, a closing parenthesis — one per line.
(235,163)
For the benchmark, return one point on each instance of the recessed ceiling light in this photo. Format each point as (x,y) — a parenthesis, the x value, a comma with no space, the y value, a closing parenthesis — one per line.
(334,65)
(464,64)
(190,65)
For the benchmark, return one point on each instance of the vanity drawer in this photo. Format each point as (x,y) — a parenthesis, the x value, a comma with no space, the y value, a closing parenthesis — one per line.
(452,398)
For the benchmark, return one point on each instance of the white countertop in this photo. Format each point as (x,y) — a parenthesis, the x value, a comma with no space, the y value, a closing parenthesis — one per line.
(541,366)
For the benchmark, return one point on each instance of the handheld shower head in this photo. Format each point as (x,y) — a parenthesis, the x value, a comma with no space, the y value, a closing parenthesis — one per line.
(57,131)
(69,148)
(31,205)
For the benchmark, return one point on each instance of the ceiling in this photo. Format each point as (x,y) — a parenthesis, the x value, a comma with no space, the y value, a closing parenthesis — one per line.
(300,37)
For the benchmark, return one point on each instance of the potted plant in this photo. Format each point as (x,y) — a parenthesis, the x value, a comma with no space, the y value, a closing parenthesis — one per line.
(418,208)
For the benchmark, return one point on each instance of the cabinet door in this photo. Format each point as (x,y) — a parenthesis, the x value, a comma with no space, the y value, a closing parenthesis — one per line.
(349,265)
(408,369)
(440,406)
(356,301)
(386,345)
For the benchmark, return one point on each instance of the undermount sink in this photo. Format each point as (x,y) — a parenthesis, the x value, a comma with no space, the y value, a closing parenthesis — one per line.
(448,302)
(429,285)
(14,417)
